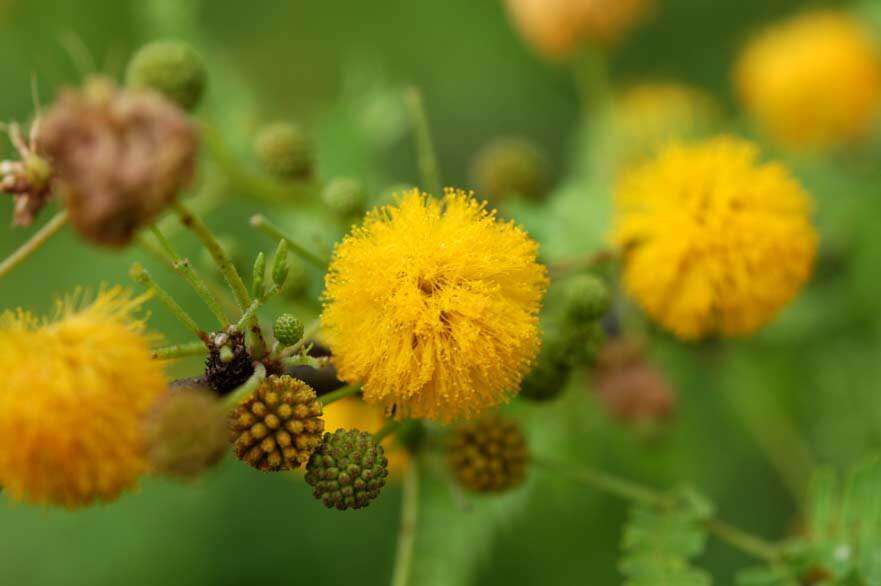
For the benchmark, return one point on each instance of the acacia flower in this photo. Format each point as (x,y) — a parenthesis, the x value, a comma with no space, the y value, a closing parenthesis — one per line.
(814,81)
(557,28)
(76,389)
(714,241)
(432,305)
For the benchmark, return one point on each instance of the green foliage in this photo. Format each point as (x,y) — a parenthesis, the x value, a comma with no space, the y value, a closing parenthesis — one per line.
(660,542)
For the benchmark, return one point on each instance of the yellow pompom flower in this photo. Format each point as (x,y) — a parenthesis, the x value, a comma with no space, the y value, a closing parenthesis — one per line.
(814,81)
(432,305)
(353,413)
(714,242)
(74,395)
(557,28)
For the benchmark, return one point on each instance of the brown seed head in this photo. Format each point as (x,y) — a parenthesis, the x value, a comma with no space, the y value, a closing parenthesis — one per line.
(488,455)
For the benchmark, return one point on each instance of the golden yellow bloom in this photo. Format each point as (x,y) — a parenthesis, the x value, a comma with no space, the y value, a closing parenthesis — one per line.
(353,413)
(814,81)
(557,28)
(433,306)
(714,242)
(650,115)
(75,390)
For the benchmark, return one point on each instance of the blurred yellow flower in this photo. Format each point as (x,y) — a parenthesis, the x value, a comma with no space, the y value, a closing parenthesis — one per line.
(714,242)
(353,413)
(648,116)
(432,305)
(814,81)
(74,394)
(557,28)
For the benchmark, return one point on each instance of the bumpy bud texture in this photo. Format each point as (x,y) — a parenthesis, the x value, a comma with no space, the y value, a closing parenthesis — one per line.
(348,470)
(186,432)
(510,166)
(228,364)
(288,329)
(172,68)
(344,197)
(489,455)
(284,150)
(587,298)
(278,426)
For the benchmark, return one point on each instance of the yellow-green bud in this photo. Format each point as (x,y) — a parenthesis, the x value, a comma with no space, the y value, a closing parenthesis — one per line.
(172,68)
(344,197)
(284,150)
(587,298)
(488,455)
(288,329)
(510,167)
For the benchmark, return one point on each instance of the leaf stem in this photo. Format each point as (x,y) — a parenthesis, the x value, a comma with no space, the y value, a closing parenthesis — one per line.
(426,155)
(407,529)
(340,393)
(260,222)
(388,429)
(232,400)
(34,244)
(179,351)
(140,274)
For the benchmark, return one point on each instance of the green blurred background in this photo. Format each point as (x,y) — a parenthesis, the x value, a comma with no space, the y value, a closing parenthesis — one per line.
(338,67)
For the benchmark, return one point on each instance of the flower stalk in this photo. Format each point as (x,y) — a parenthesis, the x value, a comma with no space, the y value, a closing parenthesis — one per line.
(41,237)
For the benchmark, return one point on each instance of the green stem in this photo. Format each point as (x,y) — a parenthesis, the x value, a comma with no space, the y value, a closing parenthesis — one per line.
(338,394)
(232,400)
(632,491)
(179,351)
(310,331)
(140,274)
(388,429)
(183,266)
(426,155)
(250,313)
(407,530)
(221,258)
(34,244)
(260,222)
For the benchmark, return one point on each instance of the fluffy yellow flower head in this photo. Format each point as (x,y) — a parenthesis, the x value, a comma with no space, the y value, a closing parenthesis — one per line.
(814,81)
(75,390)
(353,413)
(557,28)
(714,241)
(432,305)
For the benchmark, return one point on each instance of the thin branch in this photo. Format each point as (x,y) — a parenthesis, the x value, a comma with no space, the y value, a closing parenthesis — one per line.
(407,529)
(179,351)
(338,394)
(260,222)
(34,244)
(238,395)
(140,274)
(426,155)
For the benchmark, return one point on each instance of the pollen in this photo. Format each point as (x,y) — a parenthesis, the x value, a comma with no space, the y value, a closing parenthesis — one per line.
(432,306)
(714,242)
(76,390)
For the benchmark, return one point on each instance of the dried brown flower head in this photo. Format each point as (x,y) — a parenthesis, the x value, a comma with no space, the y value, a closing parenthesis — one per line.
(120,157)
(27,180)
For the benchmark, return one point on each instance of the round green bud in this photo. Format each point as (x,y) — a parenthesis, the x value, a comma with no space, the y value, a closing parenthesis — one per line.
(488,455)
(551,373)
(581,342)
(587,298)
(284,150)
(510,167)
(172,68)
(348,470)
(344,197)
(288,329)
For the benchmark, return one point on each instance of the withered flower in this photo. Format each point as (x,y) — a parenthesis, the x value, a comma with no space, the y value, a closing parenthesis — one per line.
(119,156)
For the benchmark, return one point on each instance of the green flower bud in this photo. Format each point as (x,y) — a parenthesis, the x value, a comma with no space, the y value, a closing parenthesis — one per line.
(551,373)
(587,298)
(288,329)
(172,68)
(284,151)
(488,455)
(280,265)
(258,276)
(581,342)
(348,470)
(344,197)
(510,166)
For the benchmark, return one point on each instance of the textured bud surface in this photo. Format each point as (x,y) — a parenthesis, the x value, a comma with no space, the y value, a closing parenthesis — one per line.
(288,329)
(489,455)
(344,197)
(550,374)
(278,426)
(228,364)
(510,166)
(284,150)
(348,470)
(587,298)
(172,68)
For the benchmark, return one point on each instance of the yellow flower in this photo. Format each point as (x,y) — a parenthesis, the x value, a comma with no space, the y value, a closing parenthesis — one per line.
(814,81)
(557,28)
(75,390)
(714,242)
(353,413)
(433,307)
(650,115)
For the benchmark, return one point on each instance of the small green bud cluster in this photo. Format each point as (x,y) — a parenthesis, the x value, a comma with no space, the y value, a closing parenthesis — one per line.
(172,68)
(511,167)
(348,470)
(284,150)
(344,197)
(488,455)
(288,329)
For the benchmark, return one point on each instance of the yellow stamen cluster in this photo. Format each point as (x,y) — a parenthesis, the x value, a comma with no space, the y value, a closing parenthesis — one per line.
(74,396)
(432,305)
(714,242)
(814,81)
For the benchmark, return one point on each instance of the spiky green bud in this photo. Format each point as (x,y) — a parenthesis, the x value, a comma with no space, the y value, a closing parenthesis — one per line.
(172,68)
(348,470)
(344,197)
(284,151)
(288,329)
